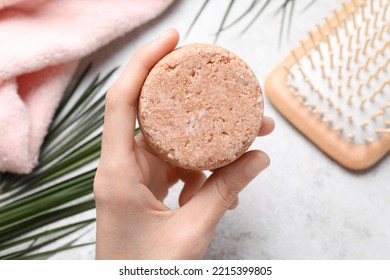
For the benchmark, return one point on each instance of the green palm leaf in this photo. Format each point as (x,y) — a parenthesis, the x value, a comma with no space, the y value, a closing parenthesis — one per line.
(32,205)
(252,8)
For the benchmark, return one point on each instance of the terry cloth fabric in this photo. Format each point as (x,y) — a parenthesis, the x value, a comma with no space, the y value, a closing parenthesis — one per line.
(41,43)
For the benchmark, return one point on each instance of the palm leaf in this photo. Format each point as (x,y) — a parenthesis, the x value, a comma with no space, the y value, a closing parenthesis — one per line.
(225,16)
(252,8)
(42,239)
(262,9)
(242,16)
(31,205)
(196,17)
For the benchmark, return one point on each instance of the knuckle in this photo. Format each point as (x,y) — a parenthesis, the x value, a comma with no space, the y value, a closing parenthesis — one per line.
(117,96)
(111,185)
(106,194)
(227,190)
(100,188)
(109,100)
(112,97)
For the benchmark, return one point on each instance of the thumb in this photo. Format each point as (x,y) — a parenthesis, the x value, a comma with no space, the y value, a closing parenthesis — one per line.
(222,188)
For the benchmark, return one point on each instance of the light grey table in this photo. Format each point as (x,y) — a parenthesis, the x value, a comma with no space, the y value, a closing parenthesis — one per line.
(304,206)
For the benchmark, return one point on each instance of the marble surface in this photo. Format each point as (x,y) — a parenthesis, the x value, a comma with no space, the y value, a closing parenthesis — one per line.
(304,206)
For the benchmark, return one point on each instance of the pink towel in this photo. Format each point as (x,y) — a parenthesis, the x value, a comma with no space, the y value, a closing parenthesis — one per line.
(41,43)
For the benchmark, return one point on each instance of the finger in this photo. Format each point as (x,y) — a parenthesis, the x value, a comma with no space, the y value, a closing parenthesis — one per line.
(121,99)
(162,174)
(267,127)
(234,204)
(222,188)
(193,181)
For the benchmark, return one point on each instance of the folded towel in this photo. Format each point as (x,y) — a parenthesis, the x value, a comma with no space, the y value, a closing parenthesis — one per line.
(42,42)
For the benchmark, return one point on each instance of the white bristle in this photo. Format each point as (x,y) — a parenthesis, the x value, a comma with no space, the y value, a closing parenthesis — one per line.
(328,23)
(311,61)
(373,39)
(337,17)
(357,75)
(296,58)
(339,90)
(326,121)
(331,60)
(318,92)
(363,13)
(302,72)
(383,130)
(289,72)
(303,47)
(350,119)
(340,72)
(357,55)
(359,91)
(362,102)
(354,21)
(366,46)
(376,55)
(329,100)
(384,107)
(338,110)
(350,40)
(323,72)
(364,124)
(318,113)
(330,84)
(309,83)
(350,136)
(367,63)
(336,31)
(349,80)
(376,20)
(377,114)
(358,35)
(295,88)
(370,80)
(312,36)
(385,12)
(382,32)
(303,97)
(341,52)
(372,97)
(320,52)
(345,8)
(368,139)
(349,62)
(344,75)
(309,105)
(329,44)
(367,28)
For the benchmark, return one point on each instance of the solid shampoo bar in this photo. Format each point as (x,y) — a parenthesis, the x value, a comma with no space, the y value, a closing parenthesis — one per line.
(201,107)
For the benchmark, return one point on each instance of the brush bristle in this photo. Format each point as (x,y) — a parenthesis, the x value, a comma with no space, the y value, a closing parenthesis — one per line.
(344,79)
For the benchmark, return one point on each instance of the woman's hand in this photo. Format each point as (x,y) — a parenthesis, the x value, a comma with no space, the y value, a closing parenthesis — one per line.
(131,182)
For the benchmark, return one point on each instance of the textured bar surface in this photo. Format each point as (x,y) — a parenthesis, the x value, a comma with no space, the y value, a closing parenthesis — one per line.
(201,107)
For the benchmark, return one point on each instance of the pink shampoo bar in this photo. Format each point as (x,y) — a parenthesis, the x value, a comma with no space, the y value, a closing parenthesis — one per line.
(201,107)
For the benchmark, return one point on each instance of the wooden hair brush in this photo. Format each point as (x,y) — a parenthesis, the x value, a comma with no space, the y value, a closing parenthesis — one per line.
(335,87)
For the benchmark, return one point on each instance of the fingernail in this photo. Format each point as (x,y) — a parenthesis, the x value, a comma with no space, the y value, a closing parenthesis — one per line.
(265,158)
(256,164)
(164,34)
(234,204)
(268,118)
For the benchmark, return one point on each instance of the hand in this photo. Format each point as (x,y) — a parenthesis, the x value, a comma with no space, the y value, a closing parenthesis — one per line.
(131,182)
